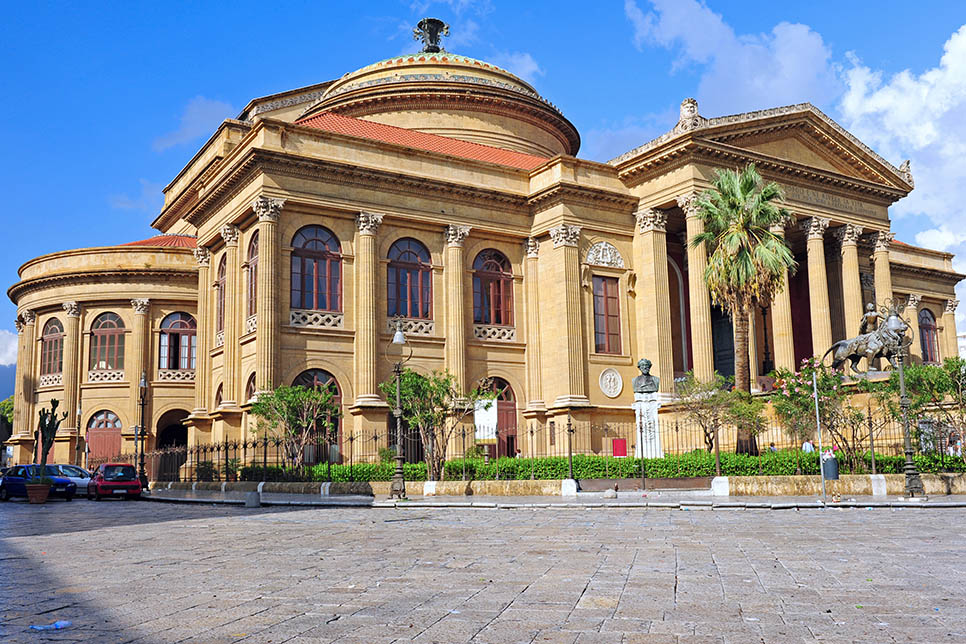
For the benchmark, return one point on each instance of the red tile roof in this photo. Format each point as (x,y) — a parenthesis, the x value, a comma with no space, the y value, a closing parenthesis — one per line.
(420,140)
(168,241)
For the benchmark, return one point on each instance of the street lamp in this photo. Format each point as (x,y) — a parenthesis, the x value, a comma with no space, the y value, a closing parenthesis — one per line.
(913,481)
(143,387)
(397,488)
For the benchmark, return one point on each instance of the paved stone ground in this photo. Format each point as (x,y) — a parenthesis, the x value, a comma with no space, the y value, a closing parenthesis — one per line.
(159,573)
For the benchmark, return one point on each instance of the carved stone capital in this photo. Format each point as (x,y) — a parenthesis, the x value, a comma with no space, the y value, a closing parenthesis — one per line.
(951,306)
(202,256)
(531,247)
(689,204)
(651,219)
(815,227)
(782,224)
(140,305)
(368,222)
(267,208)
(17,322)
(882,241)
(72,309)
(29,317)
(913,301)
(565,235)
(456,235)
(848,235)
(230,233)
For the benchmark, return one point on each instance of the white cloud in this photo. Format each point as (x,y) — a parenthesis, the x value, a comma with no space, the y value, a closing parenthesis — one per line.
(8,348)
(520,63)
(149,199)
(480,7)
(200,118)
(791,64)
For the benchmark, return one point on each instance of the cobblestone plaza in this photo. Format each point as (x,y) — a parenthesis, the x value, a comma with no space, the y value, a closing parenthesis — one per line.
(158,573)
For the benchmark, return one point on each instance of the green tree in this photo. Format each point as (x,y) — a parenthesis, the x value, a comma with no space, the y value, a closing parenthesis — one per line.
(706,403)
(6,419)
(299,415)
(933,390)
(435,408)
(747,263)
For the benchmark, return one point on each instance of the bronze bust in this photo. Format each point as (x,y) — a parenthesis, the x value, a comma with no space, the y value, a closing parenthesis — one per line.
(645,383)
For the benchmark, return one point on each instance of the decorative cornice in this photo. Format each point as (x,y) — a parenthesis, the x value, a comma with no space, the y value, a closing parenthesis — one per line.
(456,235)
(72,309)
(815,227)
(651,219)
(267,208)
(531,247)
(573,194)
(140,306)
(688,202)
(848,235)
(368,222)
(913,301)
(202,256)
(883,240)
(951,306)
(565,235)
(230,233)
(136,276)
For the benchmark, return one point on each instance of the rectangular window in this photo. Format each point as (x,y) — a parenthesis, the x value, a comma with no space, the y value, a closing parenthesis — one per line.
(607,317)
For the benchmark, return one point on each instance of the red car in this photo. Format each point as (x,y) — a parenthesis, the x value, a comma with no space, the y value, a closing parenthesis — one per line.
(114,479)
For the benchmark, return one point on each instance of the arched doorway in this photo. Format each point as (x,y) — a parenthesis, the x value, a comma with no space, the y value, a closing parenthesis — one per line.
(103,437)
(506,417)
(315,451)
(170,442)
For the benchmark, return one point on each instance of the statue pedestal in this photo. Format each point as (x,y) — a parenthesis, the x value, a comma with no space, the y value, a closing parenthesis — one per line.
(648,440)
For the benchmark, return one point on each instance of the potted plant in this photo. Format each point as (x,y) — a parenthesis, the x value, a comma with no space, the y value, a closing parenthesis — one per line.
(38,488)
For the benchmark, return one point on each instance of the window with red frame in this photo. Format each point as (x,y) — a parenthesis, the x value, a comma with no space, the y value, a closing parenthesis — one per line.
(107,343)
(607,316)
(928,338)
(179,342)
(410,275)
(316,270)
(492,289)
(252,286)
(52,348)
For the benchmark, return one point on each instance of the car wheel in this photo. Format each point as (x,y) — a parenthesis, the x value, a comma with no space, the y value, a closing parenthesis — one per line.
(69,498)
(4,494)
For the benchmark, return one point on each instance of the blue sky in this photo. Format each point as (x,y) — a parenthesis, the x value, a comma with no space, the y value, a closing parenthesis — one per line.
(105,103)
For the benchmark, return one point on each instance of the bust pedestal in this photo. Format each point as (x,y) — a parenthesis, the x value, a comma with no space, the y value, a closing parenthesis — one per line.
(648,440)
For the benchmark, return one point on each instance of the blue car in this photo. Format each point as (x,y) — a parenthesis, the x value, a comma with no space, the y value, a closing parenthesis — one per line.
(14,482)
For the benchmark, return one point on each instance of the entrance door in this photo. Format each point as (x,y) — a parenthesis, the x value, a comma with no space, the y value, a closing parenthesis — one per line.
(506,419)
(722,342)
(103,437)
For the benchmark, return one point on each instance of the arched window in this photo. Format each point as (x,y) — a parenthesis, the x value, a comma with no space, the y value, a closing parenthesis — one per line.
(492,289)
(316,270)
(317,379)
(218,396)
(220,293)
(506,418)
(928,340)
(178,341)
(252,286)
(52,349)
(250,388)
(410,280)
(107,342)
(104,419)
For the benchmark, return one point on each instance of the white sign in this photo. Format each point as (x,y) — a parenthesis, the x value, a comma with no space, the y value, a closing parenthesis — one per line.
(484,417)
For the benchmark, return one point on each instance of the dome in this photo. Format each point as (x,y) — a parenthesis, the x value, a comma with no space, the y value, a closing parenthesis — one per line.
(454,96)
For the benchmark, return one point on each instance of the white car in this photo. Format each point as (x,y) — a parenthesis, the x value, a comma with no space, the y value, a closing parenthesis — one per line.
(76,474)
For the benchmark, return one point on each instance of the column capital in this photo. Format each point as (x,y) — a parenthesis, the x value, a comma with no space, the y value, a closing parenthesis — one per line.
(202,256)
(848,235)
(951,306)
(368,222)
(778,228)
(72,309)
(230,233)
(19,324)
(882,241)
(140,305)
(456,235)
(267,208)
(531,247)
(815,227)
(913,301)
(565,235)
(29,317)
(688,202)
(651,219)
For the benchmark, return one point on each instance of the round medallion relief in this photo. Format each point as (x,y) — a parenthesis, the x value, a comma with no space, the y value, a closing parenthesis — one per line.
(611,382)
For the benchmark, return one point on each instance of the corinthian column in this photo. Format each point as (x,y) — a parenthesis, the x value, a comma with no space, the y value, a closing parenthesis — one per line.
(569,373)
(818,285)
(367,336)
(848,236)
(702,351)
(781,319)
(136,364)
(653,297)
(912,316)
(24,383)
(71,368)
(883,273)
(203,357)
(531,283)
(230,388)
(267,290)
(455,304)
(951,348)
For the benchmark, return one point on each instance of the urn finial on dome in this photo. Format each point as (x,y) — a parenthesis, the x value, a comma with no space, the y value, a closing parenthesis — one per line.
(430,31)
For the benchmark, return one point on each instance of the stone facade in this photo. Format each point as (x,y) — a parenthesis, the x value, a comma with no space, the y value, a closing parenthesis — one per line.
(586,244)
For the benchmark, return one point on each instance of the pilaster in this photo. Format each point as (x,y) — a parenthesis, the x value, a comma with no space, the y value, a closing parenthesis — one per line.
(203,357)
(883,272)
(653,296)
(230,386)
(267,293)
(951,342)
(531,284)
(27,378)
(135,360)
(781,320)
(700,299)
(848,236)
(71,367)
(23,379)
(456,320)
(815,228)
(569,373)
(912,316)
(367,331)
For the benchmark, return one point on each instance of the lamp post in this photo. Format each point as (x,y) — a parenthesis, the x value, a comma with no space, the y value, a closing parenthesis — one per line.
(143,387)
(397,488)
(913,481)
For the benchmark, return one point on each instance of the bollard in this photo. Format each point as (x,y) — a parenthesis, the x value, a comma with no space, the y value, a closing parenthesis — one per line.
(253,500)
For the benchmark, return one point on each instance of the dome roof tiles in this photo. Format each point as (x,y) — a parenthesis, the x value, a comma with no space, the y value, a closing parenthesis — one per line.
(166,241)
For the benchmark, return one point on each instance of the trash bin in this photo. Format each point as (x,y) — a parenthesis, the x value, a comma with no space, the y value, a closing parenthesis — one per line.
(830,469)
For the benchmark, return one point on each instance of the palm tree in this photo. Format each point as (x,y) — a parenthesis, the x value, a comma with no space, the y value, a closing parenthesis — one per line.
(747,263)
